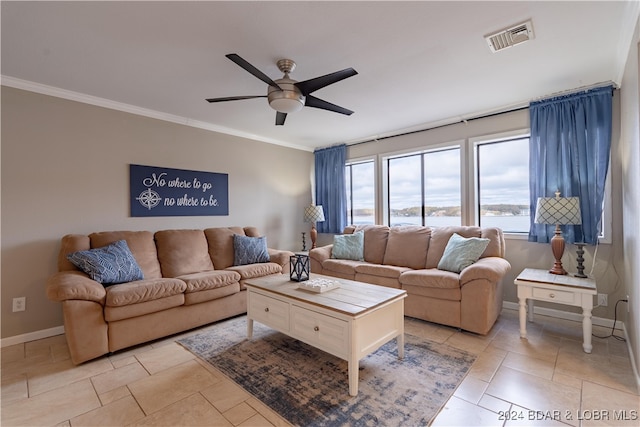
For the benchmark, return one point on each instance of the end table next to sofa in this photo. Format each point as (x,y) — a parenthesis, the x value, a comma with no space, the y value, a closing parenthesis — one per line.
(534,284)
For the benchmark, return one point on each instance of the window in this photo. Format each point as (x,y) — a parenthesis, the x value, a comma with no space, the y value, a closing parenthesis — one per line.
(405,190)
(502,179)
(361,194)
(425,188)
(442,188)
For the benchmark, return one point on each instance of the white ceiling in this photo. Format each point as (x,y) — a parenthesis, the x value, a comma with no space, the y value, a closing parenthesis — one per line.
(420,63)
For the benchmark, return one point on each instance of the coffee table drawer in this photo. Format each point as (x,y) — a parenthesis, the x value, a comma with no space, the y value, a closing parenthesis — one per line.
(319,330)
(269,311)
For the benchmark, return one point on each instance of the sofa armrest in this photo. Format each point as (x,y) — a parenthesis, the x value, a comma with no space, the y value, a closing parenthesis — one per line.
(492,269)
(74,285)
(319,255)
(281,257)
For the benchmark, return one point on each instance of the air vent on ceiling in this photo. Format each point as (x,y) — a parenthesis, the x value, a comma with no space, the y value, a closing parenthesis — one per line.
(512,36)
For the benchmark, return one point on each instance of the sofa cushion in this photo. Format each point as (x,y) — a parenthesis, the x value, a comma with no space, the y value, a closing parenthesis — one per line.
(407,246)
(112,314)
(141,244)
(392,271)
(348,246)
(496,246)
(430,278)
(211,294)
(342,266)
(143,291)
(440,237)
(375,241)
(108,265)
(461,252)
(249,250)
(182,252)
(202,281)
(220,240)
(73,243)
(256,270)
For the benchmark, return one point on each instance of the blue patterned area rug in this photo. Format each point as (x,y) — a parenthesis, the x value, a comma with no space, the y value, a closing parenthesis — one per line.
(309,387)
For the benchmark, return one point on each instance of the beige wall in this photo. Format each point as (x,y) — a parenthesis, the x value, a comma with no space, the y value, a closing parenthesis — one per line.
(65,169)
(629,155)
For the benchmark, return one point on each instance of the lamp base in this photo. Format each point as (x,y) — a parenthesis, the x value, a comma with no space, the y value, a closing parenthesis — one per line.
(580,261)
(314,236)
(557,247)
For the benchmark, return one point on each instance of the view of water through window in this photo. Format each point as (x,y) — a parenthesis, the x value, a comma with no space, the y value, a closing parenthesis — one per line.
(428,185)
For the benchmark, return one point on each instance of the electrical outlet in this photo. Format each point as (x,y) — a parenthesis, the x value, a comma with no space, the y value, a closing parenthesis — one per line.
(602,300)
(19,304)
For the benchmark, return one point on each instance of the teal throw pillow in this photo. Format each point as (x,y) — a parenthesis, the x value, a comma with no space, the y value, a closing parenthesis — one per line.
(349,246)
(461,252)
(108,265)
(249,250)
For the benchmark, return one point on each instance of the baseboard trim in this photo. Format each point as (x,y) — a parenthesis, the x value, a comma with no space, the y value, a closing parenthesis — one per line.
(31,336)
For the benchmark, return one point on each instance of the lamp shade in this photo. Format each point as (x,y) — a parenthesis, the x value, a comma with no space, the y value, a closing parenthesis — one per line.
(313,214)
(558,210)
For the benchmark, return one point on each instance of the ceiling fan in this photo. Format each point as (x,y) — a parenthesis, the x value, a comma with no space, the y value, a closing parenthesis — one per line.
(286,95)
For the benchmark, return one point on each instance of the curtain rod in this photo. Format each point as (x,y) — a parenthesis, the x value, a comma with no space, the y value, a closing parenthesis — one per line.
(484,116)
(578,90)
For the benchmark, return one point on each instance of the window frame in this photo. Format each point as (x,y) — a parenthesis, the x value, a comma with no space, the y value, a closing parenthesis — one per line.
(468,174)
(474,143)
(360,160)
(384,173)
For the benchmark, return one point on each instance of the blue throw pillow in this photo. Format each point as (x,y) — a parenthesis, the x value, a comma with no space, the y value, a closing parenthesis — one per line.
(349,246)
(249,250)
(108,265)
(460,252)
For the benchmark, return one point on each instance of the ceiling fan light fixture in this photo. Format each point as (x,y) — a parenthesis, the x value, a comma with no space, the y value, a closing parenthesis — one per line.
(286,105)
(287,100)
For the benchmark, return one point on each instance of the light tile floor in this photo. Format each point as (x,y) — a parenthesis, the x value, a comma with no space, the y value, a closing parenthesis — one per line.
(544,380)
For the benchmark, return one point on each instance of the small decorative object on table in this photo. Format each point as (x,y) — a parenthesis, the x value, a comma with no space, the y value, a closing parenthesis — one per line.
(299,267)
(580,260)
(319,285)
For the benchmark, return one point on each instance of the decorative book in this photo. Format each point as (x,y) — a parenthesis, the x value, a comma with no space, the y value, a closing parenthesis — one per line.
(319,285)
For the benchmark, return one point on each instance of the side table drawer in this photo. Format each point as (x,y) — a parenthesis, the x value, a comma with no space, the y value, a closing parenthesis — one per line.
(553,295)
(269,311)
(324,332)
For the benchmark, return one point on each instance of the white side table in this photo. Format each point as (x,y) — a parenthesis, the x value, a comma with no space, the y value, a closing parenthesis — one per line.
(534,284)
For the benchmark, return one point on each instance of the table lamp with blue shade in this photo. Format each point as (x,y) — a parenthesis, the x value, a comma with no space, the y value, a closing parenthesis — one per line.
(559,211)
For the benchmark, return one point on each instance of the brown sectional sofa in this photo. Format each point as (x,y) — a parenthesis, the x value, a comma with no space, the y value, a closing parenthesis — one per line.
(189,280)
(407,257)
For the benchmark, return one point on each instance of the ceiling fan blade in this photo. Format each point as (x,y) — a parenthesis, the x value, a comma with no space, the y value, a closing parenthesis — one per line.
(309,86)
(253,70)
(314,102)
(280,118)
(234,98)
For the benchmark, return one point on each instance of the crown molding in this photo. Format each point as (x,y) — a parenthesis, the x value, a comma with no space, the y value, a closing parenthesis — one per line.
(133,109)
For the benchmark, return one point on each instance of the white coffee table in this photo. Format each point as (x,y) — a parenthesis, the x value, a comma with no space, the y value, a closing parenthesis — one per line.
(349,322)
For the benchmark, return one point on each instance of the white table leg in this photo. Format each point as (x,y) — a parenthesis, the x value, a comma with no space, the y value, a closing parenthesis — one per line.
(530,309)
(400,343)
(249,328)
(523,317)
(586,329)
(353,376)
